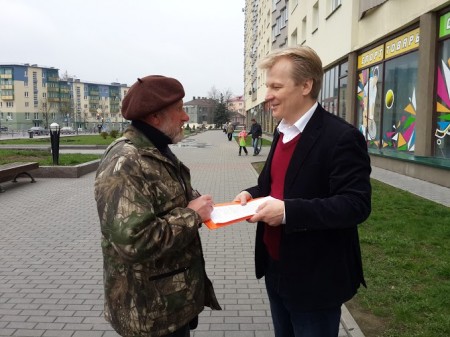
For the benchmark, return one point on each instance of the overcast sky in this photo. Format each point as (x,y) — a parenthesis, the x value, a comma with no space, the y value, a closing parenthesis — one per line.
(199,42)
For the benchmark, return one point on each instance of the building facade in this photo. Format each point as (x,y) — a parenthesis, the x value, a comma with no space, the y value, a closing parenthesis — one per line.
(387,71)
(200,110)
(31,95)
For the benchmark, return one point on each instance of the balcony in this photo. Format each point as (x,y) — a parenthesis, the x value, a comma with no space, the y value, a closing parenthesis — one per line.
(6,76)
(7,97)
(53,79)
(6,86)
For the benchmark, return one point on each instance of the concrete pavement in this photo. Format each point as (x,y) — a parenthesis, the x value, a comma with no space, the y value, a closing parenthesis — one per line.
(51,262)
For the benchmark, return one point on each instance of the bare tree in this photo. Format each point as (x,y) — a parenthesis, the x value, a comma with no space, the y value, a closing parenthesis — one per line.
(45,108)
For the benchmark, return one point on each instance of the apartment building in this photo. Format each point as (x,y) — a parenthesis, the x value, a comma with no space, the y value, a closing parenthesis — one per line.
(387,71)
(32,95)
(200,110)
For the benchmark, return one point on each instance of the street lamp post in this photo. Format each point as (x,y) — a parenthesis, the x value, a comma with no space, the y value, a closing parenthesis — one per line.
(54,139)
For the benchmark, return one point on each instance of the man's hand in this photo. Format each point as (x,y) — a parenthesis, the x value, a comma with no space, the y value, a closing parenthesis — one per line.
(271,212)
(203,205)
(242,198)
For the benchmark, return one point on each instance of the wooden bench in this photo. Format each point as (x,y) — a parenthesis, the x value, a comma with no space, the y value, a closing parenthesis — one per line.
(14,170)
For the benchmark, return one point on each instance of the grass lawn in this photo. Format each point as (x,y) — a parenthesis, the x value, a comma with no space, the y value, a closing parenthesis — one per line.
(94,139)
(406,257)
(44,158)
(248,141)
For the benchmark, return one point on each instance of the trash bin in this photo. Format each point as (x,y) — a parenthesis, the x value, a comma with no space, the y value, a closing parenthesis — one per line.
(30,133)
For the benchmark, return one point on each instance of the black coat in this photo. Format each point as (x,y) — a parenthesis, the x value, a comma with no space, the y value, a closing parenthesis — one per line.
(327,193)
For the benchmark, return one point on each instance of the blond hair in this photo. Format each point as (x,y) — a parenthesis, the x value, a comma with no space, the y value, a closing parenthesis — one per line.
(306,64)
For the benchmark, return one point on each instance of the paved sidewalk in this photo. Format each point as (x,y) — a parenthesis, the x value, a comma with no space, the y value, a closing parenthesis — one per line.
(51,262)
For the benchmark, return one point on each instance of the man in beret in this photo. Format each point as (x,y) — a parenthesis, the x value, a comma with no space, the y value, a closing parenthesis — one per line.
(154,272)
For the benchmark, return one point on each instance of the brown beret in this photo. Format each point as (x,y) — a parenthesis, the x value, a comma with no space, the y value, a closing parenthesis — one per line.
(151,94)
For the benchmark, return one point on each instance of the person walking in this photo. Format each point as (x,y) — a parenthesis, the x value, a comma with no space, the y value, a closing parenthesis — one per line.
(242,137)
(155,282)
(230,130)
(318,172)
(256,132)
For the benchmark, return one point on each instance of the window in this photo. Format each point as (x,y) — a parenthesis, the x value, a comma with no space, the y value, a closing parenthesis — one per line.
(370,104)
(335,4)
(315,17)
(442,131)
(27,104)
(27,116)
(36,115)
(284,17)
(26,93)
(304,29)
(9,105)
(399,113)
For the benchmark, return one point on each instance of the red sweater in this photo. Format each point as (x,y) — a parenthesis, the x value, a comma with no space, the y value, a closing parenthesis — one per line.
(280,161)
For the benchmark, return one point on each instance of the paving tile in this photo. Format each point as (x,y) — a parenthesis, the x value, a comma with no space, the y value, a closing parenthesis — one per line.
(51,262)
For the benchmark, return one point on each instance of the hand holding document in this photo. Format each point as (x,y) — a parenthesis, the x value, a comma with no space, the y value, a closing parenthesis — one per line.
(232,212)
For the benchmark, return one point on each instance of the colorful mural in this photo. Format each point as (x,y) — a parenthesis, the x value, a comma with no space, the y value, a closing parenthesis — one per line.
(402,137)
(369,108)
(443,102)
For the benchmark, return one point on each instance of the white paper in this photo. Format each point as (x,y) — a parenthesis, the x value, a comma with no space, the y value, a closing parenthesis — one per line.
(223,214)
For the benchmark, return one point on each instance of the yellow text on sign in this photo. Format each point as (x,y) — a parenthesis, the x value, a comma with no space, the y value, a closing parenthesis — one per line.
(402,44)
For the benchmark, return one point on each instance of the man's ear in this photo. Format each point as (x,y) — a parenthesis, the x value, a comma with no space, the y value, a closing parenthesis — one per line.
(152,119)
(307,86)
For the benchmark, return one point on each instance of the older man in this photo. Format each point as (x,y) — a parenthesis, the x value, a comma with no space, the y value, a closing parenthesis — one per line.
(154,273)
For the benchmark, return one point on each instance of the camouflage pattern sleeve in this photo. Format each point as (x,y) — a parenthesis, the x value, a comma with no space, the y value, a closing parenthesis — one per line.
(142,210)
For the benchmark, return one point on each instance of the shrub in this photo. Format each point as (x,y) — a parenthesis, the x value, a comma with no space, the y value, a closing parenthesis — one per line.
(104,134)
(114,133)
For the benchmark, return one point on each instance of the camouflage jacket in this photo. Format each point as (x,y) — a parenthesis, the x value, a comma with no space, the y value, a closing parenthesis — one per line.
(154,274)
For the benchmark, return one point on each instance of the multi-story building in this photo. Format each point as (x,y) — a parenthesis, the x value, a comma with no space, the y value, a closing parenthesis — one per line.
(236,104)
(200,110)
(31,95)
(386,66)
(237,111)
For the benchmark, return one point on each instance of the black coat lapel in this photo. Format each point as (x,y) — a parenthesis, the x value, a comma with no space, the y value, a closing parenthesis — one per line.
(306,142)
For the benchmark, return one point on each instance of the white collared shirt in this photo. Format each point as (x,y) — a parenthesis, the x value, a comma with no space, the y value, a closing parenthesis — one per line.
(291,131)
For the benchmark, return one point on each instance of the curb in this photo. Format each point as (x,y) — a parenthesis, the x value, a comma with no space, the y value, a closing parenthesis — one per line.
(66,171)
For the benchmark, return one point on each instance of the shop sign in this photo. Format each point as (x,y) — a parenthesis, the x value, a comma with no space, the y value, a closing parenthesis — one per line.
(370,57)
(402,44)
(444,25)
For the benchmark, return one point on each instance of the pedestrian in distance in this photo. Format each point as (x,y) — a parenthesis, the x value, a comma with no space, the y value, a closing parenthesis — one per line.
(242,138)
(155,282)
(318,172)
(256,132)
(230,130)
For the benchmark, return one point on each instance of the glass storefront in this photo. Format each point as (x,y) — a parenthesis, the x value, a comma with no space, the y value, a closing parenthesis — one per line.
(386,97)
(399,108)
(442,112)
(334,86)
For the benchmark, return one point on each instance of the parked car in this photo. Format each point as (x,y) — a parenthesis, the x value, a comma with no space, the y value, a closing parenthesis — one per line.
(67,130)
(4,128)
(38,131)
